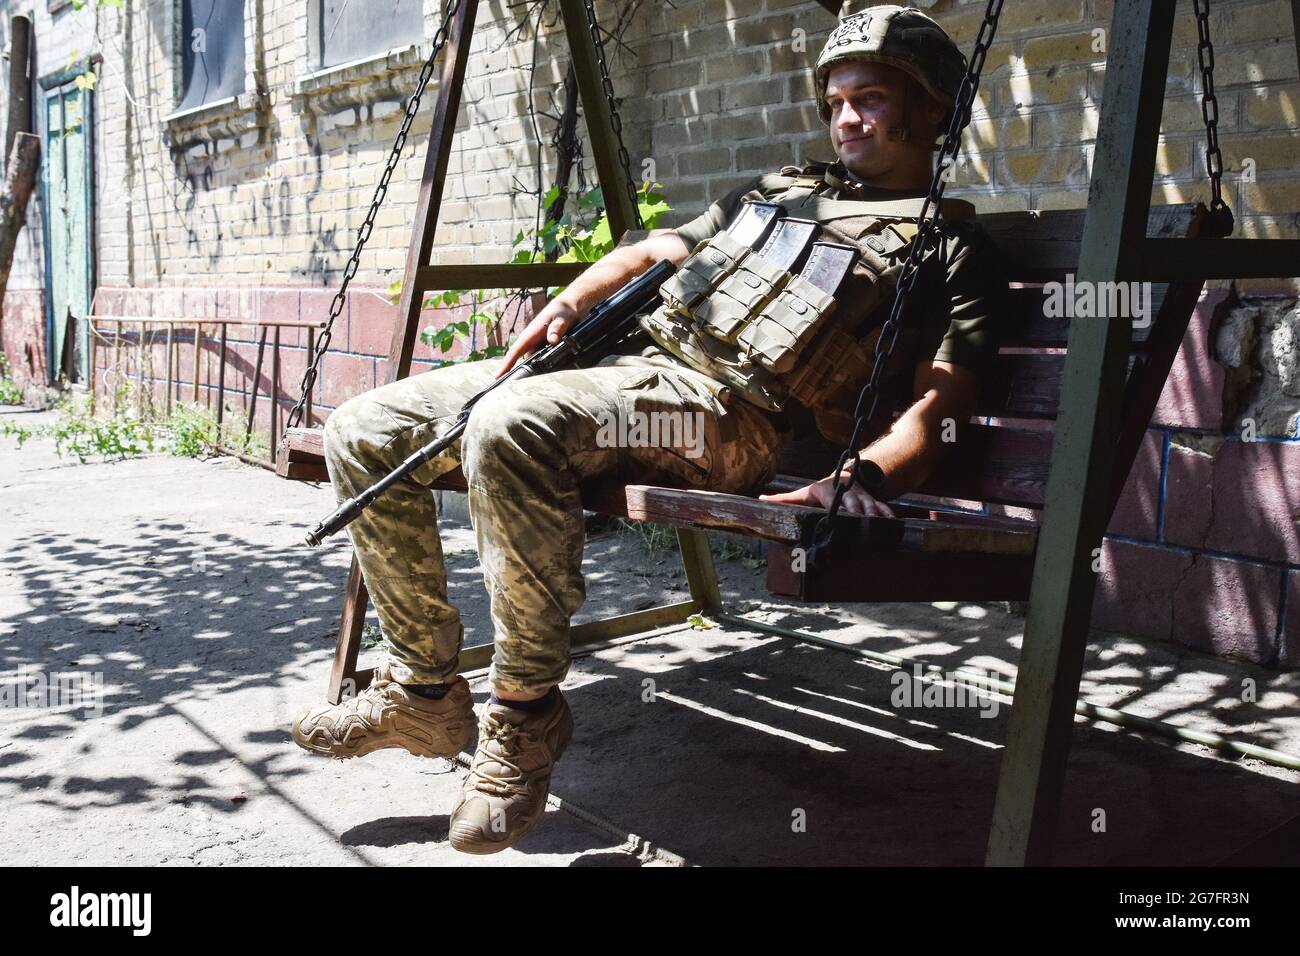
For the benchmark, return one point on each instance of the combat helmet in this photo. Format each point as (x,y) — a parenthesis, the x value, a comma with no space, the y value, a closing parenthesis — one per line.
(900,37)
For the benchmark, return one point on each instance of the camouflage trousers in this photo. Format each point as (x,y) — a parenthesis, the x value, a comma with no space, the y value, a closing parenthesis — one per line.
(640,418)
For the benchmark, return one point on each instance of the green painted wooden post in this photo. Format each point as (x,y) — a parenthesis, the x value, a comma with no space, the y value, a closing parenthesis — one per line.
(600,123)
(1060,608)
(697,562)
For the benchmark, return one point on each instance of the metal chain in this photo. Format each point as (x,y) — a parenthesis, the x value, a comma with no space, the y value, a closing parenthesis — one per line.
(363,234)
(869,398)
(1219,211)
(624,159)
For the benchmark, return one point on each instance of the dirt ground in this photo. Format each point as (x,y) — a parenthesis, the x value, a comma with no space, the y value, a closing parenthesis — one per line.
(184,584)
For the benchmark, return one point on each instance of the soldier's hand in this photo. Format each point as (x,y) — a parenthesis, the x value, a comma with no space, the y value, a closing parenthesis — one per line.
(547,328)
(821,493)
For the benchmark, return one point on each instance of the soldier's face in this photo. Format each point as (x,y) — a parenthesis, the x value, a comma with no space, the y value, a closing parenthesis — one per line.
(869,100)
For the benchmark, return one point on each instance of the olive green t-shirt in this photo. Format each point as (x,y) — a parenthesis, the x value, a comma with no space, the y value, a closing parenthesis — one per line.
(961,293)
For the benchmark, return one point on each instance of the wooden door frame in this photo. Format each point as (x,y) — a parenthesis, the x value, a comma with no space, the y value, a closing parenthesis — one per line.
(51,85)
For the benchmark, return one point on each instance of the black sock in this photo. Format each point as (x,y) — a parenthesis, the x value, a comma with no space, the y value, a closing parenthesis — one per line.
(527,706)
(428,691)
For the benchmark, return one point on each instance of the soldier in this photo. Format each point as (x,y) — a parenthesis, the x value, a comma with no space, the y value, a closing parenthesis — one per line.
(886,82)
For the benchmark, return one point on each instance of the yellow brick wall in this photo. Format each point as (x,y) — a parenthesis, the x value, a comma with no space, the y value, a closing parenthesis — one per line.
(1035,118)
(1052,76)
(282,206)
(713,91)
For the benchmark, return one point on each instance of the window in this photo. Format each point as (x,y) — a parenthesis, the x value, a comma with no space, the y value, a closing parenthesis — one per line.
(347,30)
(212,51)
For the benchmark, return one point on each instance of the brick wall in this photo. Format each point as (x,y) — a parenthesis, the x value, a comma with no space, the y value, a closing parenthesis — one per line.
(710,97)
(22,336)
(1204,546)
(255,221)
(1035,118)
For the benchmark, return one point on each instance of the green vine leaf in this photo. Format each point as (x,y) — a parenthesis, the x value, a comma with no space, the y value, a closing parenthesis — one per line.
(585,238)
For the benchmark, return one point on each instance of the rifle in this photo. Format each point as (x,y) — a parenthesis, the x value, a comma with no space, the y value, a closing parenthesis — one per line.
(596,336)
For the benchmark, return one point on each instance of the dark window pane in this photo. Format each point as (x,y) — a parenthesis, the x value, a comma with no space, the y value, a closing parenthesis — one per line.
(355,29)
(215,70)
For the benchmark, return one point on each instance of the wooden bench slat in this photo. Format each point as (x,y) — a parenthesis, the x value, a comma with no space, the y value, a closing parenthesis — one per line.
(301,456)
(995,463)
(1039,245)
(306,442)
(1026,385)
(1027,325)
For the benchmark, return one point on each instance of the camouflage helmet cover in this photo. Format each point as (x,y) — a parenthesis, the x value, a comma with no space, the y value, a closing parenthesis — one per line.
(900,37)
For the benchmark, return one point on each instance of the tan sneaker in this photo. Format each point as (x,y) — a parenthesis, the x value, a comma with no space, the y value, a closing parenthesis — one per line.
(386,714)
(505,792)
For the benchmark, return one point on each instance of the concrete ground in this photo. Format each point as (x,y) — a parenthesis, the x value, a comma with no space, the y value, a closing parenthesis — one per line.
(185,585)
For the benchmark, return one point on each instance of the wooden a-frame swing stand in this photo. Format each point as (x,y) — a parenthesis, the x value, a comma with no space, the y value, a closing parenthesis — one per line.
(1101,393)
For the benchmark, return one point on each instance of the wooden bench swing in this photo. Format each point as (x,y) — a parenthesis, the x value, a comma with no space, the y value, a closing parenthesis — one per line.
(1028,427)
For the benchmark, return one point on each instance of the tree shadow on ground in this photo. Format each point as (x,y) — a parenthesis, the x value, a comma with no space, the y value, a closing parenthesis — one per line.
(759,751)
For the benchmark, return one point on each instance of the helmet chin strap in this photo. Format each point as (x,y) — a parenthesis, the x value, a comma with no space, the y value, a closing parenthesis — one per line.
(902,134)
